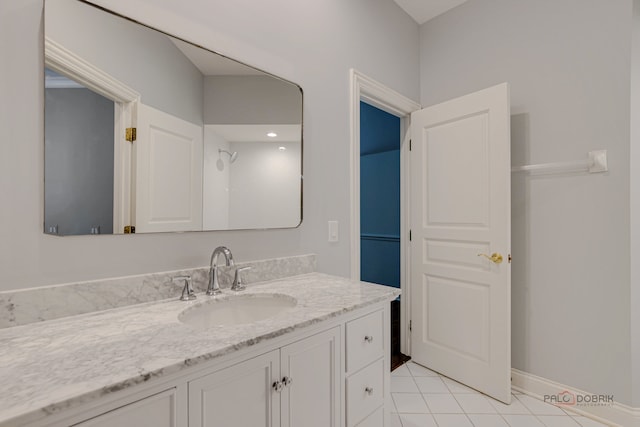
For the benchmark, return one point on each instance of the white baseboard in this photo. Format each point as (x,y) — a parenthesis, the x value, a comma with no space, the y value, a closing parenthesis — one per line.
(615,414)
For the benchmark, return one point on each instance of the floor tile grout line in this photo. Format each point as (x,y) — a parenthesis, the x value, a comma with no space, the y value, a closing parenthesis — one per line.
(529,412)
(505,420)
(429,407)
(535,415)
(427,404)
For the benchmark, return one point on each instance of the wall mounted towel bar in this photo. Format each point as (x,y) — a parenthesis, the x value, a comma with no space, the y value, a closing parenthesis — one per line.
(597,162)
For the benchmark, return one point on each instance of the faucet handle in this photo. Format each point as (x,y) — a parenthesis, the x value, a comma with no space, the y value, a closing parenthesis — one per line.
(187,292)
(238,284)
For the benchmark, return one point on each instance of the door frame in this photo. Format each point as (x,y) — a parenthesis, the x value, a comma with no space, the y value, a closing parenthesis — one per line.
(125,99)
(364,88)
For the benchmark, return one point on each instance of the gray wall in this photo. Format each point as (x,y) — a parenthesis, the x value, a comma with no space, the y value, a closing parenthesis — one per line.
(255,100)
(634,160)
(374,36)
(568,66)
(79,161)
(143,59)
(264,180)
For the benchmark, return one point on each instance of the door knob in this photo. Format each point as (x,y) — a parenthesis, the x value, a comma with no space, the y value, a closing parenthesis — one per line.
(495,257)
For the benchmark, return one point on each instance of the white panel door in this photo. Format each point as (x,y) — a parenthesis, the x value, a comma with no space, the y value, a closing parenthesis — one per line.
(311,367)
(168,162)
(241,395)
(460,208)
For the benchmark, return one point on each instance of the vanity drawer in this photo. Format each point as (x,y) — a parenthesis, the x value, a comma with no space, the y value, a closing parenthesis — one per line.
(365,340)
(374,420)
(365,392)
(158,410)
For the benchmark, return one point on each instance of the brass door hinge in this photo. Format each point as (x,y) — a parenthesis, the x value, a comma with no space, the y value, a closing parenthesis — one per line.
(129,229)
(131,134)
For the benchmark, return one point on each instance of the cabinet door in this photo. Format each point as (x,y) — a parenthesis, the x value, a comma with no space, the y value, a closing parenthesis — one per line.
(158,410)
(312,399)
(241,395)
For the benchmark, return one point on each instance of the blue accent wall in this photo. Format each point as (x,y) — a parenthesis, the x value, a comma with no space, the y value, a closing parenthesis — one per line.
(379,196)
(379,130)
(380,193)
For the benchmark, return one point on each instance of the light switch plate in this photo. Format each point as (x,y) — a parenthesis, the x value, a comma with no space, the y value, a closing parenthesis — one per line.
(333,231)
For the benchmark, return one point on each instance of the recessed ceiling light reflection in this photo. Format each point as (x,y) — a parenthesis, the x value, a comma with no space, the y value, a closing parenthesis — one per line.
(282,148)
(272,134)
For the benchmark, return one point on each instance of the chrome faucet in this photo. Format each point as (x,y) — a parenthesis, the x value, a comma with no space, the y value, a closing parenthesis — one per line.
(238,283)
(187,292)
(214,285)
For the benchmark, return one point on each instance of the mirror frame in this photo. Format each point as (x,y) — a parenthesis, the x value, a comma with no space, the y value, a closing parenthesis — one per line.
(57,58)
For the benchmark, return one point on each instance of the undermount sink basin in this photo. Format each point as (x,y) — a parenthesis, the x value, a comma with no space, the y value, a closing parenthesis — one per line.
(236,310)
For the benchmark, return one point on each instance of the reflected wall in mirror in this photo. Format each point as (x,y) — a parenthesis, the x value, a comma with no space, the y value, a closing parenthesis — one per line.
(217,145)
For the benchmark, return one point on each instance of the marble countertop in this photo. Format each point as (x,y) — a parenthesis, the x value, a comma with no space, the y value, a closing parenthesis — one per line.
(49,366)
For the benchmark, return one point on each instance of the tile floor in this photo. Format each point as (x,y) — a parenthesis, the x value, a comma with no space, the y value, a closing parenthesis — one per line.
(423,398)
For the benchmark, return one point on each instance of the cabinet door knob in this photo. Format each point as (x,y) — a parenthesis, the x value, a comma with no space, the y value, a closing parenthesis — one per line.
(368,338)
(369,390)
(286,381)
(277,386)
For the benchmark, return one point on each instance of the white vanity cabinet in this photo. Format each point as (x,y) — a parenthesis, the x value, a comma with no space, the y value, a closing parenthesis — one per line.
(331,374)
(296,385)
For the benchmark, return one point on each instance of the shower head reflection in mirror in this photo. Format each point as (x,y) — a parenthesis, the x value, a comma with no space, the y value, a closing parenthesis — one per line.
(232,156)
(186,103)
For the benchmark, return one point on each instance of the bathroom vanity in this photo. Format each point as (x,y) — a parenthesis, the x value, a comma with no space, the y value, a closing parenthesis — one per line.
(320,359)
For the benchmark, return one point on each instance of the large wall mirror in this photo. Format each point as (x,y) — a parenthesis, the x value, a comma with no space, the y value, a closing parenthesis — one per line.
(148,133)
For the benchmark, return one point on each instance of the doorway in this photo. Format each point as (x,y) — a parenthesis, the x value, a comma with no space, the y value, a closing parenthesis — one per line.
(125,101)
(364,89)
(79,129)
(380,238)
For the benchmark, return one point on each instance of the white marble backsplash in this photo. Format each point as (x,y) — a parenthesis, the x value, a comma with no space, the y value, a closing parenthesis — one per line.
(22,307)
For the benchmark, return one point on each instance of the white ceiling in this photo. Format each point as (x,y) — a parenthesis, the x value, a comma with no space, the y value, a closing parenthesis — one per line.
(423,10)
(257,133)
(212,64)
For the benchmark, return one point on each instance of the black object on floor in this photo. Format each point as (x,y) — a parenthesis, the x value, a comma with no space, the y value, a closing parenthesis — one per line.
(397,358)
